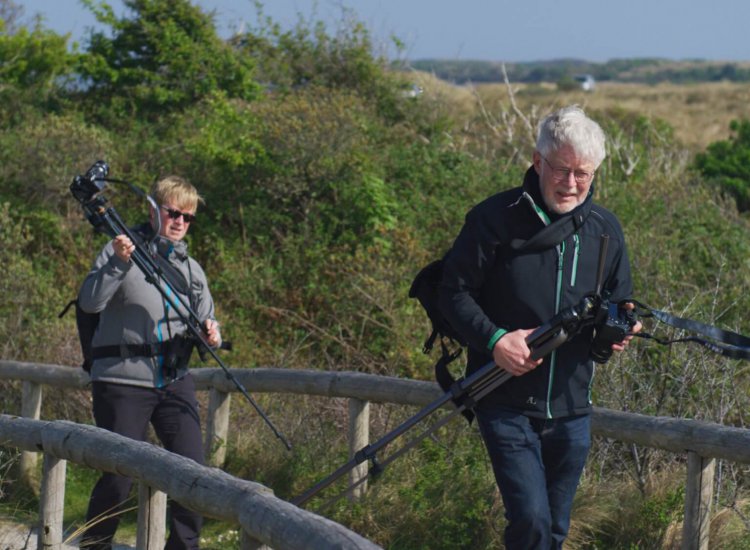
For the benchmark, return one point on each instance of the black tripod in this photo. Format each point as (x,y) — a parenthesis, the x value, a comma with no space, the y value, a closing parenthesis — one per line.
(464,393)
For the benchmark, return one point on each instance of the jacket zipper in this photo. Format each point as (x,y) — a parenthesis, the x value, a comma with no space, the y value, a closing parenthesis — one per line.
(558,291)
(558,299)
(558,294)
(160,379)
(558,303)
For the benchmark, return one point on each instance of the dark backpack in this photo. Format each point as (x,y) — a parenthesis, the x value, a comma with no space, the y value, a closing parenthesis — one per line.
(426,289)
(86,324)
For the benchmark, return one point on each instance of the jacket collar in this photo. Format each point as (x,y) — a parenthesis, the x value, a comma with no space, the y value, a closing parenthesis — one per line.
(558,227)
(164,247)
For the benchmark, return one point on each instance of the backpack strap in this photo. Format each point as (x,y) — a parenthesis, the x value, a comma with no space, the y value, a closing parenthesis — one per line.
(131,350)
(448,384)
(430,341)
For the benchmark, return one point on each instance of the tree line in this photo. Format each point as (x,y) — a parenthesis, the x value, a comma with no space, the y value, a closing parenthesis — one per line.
(637,70)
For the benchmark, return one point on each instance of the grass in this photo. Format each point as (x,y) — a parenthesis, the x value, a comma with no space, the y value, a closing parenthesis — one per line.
(699,113)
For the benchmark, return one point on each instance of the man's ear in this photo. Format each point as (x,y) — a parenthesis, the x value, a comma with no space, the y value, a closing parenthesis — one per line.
(538,163)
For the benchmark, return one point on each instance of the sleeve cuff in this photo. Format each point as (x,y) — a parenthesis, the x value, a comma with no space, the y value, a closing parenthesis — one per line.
(495,337)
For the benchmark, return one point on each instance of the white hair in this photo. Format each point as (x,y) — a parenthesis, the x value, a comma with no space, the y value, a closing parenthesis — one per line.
(570,126)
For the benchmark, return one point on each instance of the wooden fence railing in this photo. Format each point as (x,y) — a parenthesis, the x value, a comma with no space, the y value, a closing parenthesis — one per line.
(264,518)
(702,442)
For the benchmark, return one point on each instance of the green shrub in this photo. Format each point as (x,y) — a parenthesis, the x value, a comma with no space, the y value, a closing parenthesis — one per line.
(165,57)
(727,164)
(567,84)
(40,158)
(35,66)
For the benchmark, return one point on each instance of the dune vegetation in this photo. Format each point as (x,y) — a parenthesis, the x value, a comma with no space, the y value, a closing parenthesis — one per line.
(327,187)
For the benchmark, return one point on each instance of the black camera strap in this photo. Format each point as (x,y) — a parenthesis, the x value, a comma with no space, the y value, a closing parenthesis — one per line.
(724,342)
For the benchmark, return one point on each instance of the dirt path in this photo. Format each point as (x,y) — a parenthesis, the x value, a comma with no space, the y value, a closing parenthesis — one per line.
(17,536)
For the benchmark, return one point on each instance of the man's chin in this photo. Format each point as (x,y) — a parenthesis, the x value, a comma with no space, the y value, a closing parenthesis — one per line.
(564,207)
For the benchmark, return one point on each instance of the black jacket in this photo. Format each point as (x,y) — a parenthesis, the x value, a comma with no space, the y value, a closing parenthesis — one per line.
(491,284)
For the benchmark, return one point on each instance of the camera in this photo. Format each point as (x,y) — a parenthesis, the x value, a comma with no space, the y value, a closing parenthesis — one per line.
(612,325)
(177,354)
(92,182)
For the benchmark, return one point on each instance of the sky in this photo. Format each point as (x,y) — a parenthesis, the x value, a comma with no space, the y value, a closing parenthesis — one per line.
(495,30)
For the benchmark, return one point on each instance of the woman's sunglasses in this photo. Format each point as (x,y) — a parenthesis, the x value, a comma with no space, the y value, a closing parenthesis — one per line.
(174,214)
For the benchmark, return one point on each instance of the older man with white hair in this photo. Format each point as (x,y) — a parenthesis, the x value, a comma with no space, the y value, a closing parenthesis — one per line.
(523,256)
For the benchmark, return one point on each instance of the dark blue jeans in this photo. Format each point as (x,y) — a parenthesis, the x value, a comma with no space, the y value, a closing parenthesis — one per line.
(537,464)
(127,410)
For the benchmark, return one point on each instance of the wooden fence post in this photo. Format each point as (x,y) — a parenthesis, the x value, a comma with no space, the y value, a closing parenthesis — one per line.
(31,407)
(52,503)
(152,517)
(359,436)
(217,427)
(699,492)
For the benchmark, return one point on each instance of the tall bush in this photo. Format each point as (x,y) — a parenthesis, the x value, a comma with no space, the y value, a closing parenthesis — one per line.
(727,164)
(165,57)
(35,66)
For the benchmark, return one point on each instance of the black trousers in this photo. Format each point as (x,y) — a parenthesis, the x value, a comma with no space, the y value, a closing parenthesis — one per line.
(127,410)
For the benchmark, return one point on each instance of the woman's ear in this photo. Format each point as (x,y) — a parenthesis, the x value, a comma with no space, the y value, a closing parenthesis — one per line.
(153,216)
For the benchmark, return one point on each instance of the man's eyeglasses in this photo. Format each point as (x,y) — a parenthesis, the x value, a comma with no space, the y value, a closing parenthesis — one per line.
(562,174)
(174,214)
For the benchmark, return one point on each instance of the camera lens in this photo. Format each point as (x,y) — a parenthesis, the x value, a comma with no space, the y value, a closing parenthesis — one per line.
(601,351)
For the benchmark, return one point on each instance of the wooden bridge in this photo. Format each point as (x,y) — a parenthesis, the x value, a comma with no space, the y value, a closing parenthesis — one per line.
(265,520)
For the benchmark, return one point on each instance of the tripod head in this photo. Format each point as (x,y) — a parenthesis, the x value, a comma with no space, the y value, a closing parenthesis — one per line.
(90,184)
(87,189)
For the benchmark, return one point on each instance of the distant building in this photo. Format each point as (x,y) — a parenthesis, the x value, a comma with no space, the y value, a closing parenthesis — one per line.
(414,90)
(586,82)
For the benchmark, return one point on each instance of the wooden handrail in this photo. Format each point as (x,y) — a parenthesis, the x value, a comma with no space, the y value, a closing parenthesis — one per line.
(367,387)
(702,442)
(676,435)
(208,491)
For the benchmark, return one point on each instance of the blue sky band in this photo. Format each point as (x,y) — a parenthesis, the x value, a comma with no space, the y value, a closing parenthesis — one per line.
(495,337)
(668,31)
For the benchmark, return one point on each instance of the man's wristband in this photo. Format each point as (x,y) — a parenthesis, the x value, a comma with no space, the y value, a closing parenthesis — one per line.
(495,337)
